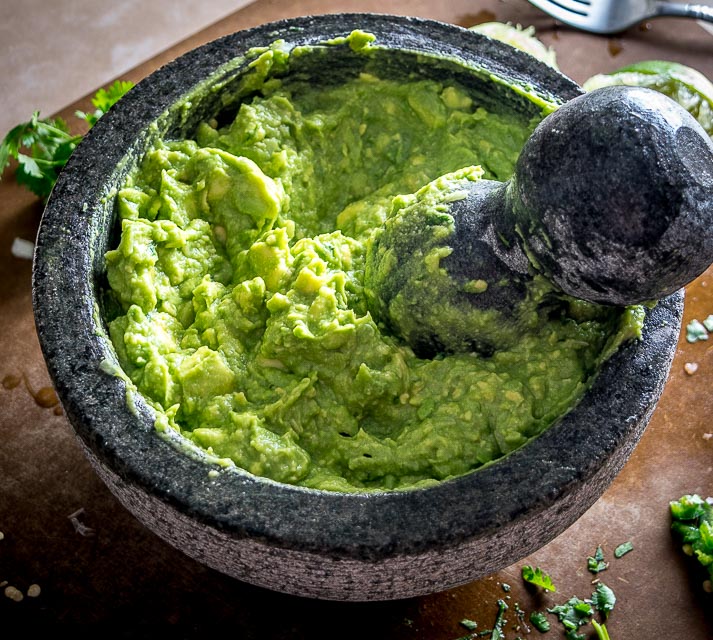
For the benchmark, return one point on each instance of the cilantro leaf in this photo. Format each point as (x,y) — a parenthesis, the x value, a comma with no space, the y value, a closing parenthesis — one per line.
(596,563)
(105,99)
(603,599)
(537,577)
(29,174)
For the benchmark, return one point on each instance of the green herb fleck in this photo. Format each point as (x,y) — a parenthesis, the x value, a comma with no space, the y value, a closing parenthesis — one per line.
(506,587)
(471,625)
(708,323)
(596,563)
(602,633)
(539,621)
(498,628)
(692,523)
(696,331)
(623,549)
(537,577)
(603,599)
(573,614)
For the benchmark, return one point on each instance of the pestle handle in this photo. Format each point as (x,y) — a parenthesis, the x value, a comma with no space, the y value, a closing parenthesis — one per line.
(612,196)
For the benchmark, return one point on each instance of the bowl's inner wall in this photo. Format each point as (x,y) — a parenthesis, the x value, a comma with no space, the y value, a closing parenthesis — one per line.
(220,95)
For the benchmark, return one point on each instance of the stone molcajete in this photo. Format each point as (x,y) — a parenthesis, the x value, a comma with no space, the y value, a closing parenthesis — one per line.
(323,544)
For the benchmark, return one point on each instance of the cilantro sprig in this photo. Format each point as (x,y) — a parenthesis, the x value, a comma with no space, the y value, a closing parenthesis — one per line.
(47,144)
(42,146)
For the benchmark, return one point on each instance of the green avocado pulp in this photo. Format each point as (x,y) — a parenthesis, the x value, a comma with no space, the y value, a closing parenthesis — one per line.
(238,286)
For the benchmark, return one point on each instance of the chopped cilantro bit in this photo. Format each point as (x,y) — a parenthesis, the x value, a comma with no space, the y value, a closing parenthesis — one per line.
(696,331)
(602,633)
(693,525)
(498,628)
(573,614)
(623,549)
(603,599)
(691,507)
(708,323)
(471,625)
(539,621)
(506,587)
(596,563)
(537,577)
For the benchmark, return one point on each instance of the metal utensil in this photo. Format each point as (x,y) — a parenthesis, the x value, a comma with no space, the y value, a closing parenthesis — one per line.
(614,16)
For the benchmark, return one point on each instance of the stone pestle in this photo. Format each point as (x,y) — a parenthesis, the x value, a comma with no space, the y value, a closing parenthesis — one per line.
(611,202)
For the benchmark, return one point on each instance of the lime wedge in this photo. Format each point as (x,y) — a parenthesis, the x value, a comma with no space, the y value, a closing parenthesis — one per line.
(690,88)
(516,36)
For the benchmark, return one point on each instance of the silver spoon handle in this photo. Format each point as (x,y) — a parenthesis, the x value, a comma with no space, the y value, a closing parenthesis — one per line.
(684,10)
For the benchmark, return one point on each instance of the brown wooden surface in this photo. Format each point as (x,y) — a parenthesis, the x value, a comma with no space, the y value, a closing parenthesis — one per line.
(121,578)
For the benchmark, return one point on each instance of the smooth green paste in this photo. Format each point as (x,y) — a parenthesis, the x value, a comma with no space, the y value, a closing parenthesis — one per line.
(240,311)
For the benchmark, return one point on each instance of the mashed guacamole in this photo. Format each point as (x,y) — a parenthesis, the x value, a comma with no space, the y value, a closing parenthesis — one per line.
(238,283)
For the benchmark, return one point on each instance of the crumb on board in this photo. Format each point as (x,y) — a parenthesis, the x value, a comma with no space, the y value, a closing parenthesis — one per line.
(80,527)
(690,368)
(22,248)
(13,593)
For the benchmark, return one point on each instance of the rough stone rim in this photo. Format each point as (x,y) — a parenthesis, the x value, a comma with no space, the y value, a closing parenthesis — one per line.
(601,430)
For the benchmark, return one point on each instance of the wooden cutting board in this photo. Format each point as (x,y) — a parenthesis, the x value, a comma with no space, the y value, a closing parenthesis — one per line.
(95,564)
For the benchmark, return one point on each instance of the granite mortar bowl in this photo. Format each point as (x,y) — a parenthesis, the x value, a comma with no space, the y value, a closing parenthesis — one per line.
(329,545)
